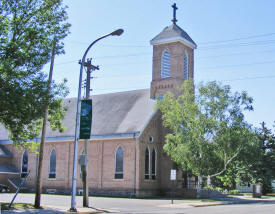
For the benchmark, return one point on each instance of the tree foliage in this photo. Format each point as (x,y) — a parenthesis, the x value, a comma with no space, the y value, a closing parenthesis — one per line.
(208,129)
(256,164)
(28,29)
(264,169)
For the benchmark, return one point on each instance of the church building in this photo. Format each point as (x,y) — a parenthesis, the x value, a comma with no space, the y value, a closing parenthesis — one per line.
(125,150)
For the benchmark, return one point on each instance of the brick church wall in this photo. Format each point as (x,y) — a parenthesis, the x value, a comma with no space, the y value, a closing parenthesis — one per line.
(101,166)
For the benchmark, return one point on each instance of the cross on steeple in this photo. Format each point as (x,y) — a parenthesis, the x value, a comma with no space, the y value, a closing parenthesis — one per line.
(174,6)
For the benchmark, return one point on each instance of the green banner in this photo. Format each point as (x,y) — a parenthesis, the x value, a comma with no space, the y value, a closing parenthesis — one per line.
(85,119)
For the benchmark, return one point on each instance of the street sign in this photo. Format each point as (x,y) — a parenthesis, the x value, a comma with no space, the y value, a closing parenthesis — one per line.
(173,174)
(85,119)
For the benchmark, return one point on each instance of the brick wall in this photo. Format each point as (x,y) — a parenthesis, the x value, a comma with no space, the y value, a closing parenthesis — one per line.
(161,86)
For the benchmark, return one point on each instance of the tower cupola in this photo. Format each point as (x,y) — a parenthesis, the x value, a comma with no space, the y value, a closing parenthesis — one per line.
(173,59)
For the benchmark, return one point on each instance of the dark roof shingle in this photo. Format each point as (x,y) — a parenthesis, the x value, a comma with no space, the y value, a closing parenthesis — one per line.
(173,31)
(114,113)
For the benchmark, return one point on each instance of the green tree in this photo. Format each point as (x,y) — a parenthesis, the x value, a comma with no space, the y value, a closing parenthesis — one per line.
(264,170)
(27,32)
(261,168)
(207,127)
(240,171)
(255,164)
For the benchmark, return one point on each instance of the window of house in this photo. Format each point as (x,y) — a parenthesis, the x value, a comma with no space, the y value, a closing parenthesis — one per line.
(165,64)
(154,164)
(147,164)
(52,168)
(186,75)
(24,165)
(119,164)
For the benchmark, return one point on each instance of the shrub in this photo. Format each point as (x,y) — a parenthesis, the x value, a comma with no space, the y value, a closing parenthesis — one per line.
(234,191)
(219,189)
(208,188)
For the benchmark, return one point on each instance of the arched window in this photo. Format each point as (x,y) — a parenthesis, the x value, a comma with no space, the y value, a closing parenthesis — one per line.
(147,164)
(119,163)
(186,66)
(154,164)
(52,168)
(24,164)
(165,64)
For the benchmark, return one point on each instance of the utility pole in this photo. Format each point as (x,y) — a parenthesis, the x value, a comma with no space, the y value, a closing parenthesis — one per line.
(90,68)
(43,135)
(117,32)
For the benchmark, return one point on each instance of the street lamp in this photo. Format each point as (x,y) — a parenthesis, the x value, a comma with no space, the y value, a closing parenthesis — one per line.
(77,120)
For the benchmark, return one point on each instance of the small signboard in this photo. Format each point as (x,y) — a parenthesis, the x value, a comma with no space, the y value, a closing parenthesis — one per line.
(173,174)
(85,119)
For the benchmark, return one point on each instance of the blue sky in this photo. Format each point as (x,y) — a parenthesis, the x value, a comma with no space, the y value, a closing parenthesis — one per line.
(236,45)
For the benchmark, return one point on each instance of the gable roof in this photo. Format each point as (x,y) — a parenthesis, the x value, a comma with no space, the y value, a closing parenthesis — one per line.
(173,33)
(4,152)
(8,169)
(113,114)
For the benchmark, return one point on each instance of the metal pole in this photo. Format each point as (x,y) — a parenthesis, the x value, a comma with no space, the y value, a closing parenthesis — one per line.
(77,120)
(18,189)
(73,205)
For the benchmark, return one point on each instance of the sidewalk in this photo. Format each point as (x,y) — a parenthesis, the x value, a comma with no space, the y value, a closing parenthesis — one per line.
(59,204)
(59,210)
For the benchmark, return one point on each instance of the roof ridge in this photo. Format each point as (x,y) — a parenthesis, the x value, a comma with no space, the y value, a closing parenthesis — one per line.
(173,32)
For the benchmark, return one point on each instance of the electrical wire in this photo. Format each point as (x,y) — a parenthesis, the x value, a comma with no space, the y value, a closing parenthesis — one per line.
(225,80)
(201,43)
(237,39)
(238,65)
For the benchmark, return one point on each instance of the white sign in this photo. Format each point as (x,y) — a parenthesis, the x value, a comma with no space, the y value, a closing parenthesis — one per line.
(258,189)
(173,174)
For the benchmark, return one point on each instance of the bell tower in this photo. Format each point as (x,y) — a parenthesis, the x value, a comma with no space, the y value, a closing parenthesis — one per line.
(173,59)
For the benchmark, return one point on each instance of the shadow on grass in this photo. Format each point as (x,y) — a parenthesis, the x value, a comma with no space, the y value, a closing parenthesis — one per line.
(17,206)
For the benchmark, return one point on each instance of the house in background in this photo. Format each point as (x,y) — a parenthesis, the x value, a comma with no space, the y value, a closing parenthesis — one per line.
(125,151)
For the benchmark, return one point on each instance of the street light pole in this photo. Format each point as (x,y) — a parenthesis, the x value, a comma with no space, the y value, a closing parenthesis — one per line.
(77,120)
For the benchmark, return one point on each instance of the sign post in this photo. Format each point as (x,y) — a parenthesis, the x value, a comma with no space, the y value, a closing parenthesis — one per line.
(173,176)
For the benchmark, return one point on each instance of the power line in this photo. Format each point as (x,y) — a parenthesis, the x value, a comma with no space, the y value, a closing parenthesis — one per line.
(237,39)
(201,43)
(125,55)
(251,78)
(255,43)
(231,80)
(147,53)
(66,62)
(235,54)
(238,65)
(106,45)
(211,67)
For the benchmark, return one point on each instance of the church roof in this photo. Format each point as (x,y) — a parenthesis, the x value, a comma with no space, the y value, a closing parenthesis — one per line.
(8,169)
(113,114)
(4,152)
(173,33)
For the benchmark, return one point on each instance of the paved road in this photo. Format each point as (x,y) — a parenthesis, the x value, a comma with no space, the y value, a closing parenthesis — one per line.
(148,206)
(258,208)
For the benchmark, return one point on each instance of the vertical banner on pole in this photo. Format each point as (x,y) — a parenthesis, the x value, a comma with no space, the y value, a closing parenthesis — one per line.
(85,119)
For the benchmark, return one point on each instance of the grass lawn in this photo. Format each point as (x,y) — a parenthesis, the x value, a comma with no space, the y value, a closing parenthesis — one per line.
(267,196)
(17,206)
